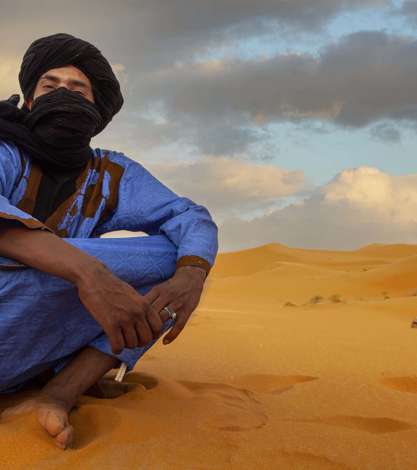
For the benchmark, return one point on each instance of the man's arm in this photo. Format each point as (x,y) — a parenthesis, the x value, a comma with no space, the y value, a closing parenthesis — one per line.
(115,305)
(43,250)
(145,204)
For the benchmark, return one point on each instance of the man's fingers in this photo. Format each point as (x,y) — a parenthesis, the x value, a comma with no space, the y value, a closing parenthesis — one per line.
(164,315)
(152,295)
(130,336)
(160,303)
(144,332)
(155,322)
(117,341)
(175,331)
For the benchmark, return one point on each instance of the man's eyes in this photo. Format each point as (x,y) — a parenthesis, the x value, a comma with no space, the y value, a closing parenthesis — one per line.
(52,88)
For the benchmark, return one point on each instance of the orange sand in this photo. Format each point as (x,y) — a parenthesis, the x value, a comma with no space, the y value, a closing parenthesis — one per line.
(294,359)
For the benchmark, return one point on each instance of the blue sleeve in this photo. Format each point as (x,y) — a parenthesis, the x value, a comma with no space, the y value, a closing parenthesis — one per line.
(147,205)
(10,172)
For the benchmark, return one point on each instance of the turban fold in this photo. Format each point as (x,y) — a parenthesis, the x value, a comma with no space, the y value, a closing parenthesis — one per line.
(61,49)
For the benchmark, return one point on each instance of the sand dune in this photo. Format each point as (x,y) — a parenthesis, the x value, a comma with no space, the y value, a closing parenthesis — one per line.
(294,359)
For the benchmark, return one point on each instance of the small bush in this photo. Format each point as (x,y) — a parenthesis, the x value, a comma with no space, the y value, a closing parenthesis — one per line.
(316,299)
(336,298)
(289,304)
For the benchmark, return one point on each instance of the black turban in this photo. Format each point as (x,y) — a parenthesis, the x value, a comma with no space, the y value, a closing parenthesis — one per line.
(61,49)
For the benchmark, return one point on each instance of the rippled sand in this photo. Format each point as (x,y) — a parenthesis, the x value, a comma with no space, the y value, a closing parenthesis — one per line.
(294,359)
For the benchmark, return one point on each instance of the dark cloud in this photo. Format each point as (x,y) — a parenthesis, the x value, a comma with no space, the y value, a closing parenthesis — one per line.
(386,132)
(149,33)
(362,79)
(408,9)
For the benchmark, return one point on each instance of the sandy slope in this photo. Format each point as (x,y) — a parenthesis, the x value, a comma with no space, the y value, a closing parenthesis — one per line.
(295,359)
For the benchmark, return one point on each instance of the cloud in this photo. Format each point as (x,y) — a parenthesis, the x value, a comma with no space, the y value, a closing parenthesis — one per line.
(139,29)
(218,107)
(229,186)
(409,10)
(224,107)
(386,132)
(9,69)
(363,78)
(359,206)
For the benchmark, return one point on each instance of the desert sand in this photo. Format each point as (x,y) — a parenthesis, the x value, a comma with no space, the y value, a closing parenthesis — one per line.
(294,359)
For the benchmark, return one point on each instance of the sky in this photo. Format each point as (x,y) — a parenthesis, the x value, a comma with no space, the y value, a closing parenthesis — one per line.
(292,121)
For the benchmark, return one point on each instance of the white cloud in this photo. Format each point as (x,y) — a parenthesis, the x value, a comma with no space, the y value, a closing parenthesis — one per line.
(359,206)
(229,186)
(9,69)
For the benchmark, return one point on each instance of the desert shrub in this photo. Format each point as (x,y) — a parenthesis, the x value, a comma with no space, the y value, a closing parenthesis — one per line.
(336,298)
(289,304)
(316,299)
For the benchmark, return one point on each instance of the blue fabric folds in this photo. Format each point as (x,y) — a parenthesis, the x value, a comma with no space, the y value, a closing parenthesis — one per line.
(43,323)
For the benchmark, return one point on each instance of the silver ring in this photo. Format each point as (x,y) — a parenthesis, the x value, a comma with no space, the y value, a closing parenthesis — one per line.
(171,313)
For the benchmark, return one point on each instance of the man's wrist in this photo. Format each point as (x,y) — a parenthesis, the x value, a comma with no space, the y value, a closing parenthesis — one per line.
(88,273)
(200,273)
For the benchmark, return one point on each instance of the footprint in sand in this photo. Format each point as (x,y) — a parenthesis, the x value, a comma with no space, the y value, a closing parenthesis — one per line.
(402,384)
(213,405)
(224,407)
(231,409)
(146,380)
(294,460)
(268,383)
(378,425)
(91,423)
(235,407)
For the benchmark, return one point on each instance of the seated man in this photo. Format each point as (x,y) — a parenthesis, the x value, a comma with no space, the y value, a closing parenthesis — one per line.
(72,305)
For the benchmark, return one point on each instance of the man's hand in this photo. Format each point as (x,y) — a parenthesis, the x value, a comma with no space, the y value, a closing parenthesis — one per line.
(126,316)
(181,293)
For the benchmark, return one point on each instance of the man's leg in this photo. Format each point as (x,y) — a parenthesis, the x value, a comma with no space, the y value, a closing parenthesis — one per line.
(60,394)
(141,261)
(43,322)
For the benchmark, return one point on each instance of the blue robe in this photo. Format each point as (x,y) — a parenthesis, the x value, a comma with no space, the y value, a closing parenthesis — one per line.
(42,321)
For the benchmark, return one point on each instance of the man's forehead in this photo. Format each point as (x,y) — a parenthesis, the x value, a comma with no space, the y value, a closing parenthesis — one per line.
(67,72)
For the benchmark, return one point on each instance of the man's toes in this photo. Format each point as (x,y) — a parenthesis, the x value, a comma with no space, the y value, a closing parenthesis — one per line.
(64,438)
(53,419)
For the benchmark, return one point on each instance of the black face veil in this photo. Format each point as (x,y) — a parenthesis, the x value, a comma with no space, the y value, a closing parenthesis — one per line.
(58,129)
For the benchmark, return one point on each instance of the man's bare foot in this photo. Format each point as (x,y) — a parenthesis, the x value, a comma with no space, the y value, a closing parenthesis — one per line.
(52,414)
(60,394)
